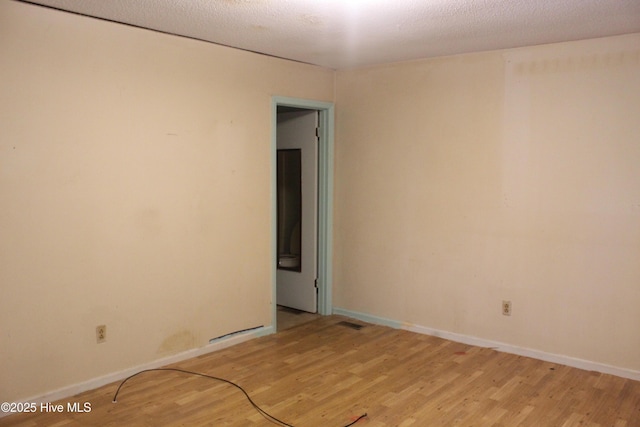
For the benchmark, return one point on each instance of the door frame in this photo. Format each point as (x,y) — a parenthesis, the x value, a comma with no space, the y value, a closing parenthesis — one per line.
(325,198)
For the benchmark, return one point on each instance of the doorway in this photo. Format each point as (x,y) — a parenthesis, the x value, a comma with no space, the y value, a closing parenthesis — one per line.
(289,252)
(297,208)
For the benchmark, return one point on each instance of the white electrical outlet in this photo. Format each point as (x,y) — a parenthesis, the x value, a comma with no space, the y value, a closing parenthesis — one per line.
(506,308)
(101,333)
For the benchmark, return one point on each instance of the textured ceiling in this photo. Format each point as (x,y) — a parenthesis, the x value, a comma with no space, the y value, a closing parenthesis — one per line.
(354,33)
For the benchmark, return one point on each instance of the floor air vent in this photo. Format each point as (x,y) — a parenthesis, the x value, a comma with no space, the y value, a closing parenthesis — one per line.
(351,325)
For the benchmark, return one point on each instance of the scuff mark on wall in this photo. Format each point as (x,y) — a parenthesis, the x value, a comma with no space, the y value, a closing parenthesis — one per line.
(180,341)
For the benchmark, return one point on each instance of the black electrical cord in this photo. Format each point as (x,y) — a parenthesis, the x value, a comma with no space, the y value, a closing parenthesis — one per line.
(262,412)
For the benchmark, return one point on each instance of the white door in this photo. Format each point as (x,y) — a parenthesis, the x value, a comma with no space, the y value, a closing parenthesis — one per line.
(297,238)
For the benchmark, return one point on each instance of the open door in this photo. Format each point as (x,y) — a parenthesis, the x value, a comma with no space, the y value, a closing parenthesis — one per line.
(297,209)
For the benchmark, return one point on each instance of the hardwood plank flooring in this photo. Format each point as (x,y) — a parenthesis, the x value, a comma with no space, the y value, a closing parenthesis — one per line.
(289,317)
(322,373)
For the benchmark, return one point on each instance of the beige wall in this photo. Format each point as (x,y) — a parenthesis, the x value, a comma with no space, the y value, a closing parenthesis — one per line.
(135,192)
(515,175)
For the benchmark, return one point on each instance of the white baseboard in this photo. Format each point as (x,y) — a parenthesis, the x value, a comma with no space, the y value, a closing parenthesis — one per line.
(94,383)
(496,345)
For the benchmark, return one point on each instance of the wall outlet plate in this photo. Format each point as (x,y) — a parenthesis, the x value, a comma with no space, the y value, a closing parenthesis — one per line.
(101,334)
(506,308)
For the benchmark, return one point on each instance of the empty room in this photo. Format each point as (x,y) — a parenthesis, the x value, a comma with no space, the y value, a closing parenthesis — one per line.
(320,213)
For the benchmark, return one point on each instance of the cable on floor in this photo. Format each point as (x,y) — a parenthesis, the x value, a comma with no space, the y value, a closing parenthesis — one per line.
(262,412)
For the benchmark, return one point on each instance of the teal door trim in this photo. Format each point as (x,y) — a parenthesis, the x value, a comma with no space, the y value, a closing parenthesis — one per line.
(325,198)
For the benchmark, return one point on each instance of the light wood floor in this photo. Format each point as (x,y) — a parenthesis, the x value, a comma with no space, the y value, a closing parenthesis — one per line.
(324,374)
(289,317)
